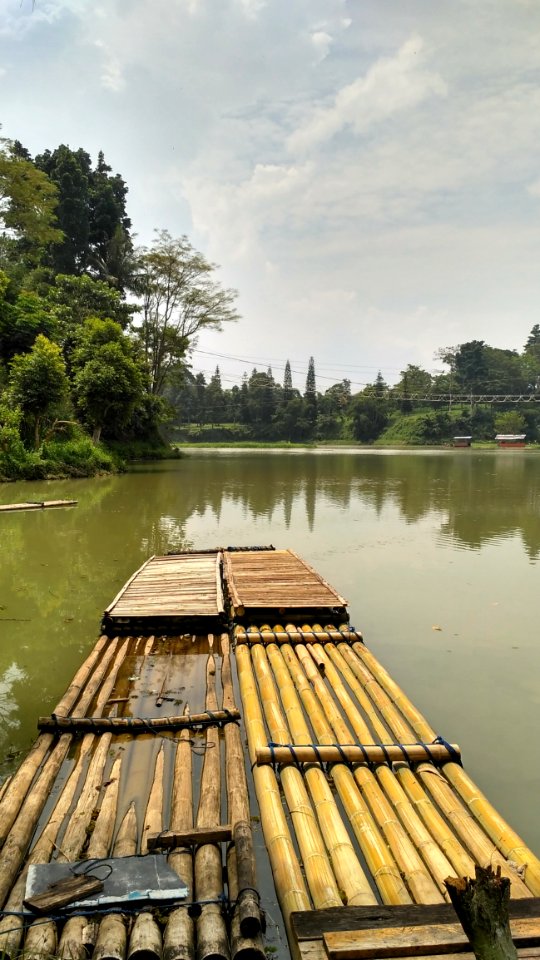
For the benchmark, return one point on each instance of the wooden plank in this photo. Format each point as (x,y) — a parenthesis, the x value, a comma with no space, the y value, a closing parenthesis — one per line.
(169,839)
(315,950)
(309,924)
(417,941)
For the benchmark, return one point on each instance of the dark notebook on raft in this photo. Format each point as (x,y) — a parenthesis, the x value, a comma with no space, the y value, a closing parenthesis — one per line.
(126,881)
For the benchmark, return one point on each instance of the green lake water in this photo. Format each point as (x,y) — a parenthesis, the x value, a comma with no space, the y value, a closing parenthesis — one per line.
(437,553)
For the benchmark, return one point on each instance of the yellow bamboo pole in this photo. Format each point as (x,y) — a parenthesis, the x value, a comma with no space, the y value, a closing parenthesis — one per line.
(380,861)
(507,841)
(384,704)
(349,873)
(381,730)
(406,834)
(458,856)
(288,879)
(438,864)
(419,882)
(320,878)
(481,847)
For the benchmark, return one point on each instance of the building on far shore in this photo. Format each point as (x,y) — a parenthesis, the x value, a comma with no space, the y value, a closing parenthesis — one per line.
(510,439)
(462,441)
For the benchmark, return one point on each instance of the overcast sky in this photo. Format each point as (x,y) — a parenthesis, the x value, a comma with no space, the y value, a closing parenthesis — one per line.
(366,174)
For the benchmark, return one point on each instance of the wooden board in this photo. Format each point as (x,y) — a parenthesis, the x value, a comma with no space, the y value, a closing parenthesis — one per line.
(277,579)
(183,586)
(417,941)
(310,924)
(315,950)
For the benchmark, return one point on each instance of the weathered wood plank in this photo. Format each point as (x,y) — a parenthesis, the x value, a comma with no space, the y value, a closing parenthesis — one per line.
(310,924)
(416,941)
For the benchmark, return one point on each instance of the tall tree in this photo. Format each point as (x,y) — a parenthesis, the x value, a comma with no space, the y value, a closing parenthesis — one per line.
(28,206)
(214,398)
(310,396)
(91,213)
(179,299)
(287,383)
(39,384)
(108,379)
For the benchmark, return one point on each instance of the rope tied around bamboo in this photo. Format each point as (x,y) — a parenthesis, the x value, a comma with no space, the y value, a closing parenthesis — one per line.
(438,752)
(138,725)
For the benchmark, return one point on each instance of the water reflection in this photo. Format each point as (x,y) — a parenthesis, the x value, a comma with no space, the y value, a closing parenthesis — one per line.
(478,497)
(60,568)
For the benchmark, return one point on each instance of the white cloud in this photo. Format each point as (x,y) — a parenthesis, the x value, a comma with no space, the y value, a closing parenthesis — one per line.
(391,85)
(322,41)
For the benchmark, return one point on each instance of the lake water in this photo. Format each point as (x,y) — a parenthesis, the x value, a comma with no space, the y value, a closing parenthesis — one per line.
(437,553)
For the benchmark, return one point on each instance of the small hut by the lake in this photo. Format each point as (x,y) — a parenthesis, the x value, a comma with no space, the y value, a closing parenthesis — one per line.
(462,441)
(510,439)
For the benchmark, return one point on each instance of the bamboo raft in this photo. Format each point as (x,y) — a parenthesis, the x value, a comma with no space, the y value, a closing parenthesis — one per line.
(37,505)
(364,810)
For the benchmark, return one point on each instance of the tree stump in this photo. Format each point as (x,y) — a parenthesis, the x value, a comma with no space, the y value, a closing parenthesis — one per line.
(482,909)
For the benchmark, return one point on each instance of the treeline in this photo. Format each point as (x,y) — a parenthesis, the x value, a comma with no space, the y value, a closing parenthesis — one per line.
(92,328)
(421,408)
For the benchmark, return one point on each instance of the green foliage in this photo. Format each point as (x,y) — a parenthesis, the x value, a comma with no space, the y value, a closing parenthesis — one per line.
(91,213)
(108,380)
(179,298)
(28,202)
(39,384)
(22,317)
(420,428)
(72,300)
(369,417)
(77,457)
(510,421)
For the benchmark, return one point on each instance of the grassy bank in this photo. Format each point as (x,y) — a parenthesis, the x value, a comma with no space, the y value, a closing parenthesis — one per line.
(80,457)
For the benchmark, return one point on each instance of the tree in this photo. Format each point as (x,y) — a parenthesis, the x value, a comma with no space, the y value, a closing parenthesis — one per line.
(73,300)
(471,366)
(22,317)
(369,416)
(92,215)
(179,299)
(108,380)
(214,398)
(310,396)
(28,204)
(510,421)
(39,384)
(287,383)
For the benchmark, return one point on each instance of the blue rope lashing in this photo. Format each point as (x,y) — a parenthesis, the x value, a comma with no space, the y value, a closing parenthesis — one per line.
(454,755)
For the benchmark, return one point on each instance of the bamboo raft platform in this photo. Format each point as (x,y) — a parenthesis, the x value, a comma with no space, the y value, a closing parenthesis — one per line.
(364,811)
(36,505)
(168,593)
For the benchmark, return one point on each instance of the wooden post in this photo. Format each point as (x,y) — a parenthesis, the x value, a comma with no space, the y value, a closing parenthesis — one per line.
(482,909)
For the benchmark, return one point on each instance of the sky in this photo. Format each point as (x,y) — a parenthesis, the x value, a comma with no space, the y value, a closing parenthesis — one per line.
(366,174)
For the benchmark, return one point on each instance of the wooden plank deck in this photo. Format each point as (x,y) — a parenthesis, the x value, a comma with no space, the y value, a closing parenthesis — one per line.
(276,580)
(166,591)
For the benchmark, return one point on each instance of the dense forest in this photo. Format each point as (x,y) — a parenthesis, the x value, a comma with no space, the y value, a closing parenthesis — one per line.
(92,328)
(96,335)
(468,399)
